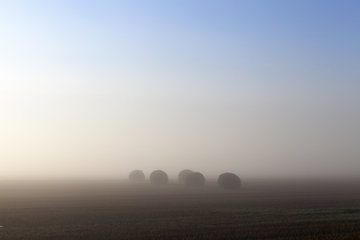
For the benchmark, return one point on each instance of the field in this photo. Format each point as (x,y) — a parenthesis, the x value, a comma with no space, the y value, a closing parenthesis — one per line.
(261,209)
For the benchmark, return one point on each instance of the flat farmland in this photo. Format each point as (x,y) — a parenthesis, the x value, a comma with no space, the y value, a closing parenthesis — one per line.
(261,209)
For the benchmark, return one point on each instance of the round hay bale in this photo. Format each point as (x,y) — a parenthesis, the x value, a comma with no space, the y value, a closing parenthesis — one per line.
(183,174)
(229,181)
(159,177)
(137,176)
(195,179)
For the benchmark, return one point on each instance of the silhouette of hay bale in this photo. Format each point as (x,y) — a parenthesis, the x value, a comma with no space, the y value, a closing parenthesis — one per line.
(137,176)
(195,179)
(229,181)
(183,174)
(159,177)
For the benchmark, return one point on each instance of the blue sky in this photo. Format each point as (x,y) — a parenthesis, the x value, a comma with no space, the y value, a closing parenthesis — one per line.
(225,83)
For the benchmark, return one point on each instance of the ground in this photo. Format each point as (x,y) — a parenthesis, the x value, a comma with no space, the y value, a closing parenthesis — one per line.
(261,209)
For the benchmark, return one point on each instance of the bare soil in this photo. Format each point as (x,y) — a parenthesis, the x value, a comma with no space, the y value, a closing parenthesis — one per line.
(261,209)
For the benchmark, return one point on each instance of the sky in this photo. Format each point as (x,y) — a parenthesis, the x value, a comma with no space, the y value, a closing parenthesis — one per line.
(96,89)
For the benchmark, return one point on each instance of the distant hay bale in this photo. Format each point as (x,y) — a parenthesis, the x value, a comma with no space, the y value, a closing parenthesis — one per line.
(183,174)
(229,181)
(159,177)
(195,179)
(137,176)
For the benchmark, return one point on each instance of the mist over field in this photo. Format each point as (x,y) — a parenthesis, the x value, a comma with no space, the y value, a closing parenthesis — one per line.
(96,89)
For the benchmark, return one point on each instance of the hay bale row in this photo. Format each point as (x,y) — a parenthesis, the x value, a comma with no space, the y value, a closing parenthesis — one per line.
(188,178)
(195,179)
(156,177)
(137,176)
(159,177)
(183,175)
(229,181)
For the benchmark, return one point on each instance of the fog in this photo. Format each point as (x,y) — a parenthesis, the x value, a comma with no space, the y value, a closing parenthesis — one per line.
(87,94)
(89,135)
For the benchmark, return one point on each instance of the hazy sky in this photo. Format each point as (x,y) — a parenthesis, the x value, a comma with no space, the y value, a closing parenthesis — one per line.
(258,88)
